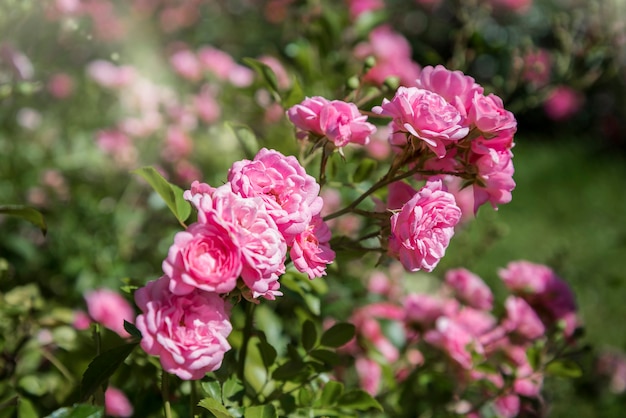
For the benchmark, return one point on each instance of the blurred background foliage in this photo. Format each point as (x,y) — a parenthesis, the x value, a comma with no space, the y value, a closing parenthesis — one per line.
(66,148)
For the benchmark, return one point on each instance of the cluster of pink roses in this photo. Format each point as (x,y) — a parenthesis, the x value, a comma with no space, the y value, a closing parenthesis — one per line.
(486,355)
(269,207)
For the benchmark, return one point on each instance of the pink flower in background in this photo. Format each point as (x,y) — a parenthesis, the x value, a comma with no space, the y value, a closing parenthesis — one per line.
(392,53)
(455,87)
(81,320)
(204,257)
(116,403)
(457,342)
(537,67)
(424,309)
(117,144)
(563,103)
(282,78)
(358,7)
(288,192)
(522,320)
(423,115)
(340,122)
(310,251)
(177,144)
(187,332)
(523,277)
(507,406)
(110,75)
(61,86)
(186,64)
(611,364)
(370,374)
(206,106)
(422,229)
(469,288)
(110,309)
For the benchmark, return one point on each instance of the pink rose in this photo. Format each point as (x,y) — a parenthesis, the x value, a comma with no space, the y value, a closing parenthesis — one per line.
(340,122)
(110,75)
(537,67)
(422,229)
(116,403)
(393,56)
(186,64)
(522,320)
(61,85)
(563,103)
(455,87)
(423,115)
(507,406)
(457,342)
(477,322)
(370,374)
(81,320)
(110,309)
(358,7)
(187,332)
(523,277)
(288,192)
(518,6)
(310,251)
(487,113)
(495,174)
(206,106)
(263,248)
(204,257)
(470,289)
(424,309)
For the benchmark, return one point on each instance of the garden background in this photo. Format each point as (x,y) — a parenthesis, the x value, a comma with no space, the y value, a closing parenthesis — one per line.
(93,89)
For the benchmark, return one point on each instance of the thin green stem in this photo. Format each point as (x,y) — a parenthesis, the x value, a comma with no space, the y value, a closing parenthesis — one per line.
(98,395)
(165,393)
(193,398)
(247,333)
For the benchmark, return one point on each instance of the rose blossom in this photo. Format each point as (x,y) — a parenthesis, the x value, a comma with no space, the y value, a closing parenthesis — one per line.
(288,192)
(116,403)
(110,309)
(310,251)
(563,103)
(340,122)
(254,232)
(490,117)
(454,340)
(422,229)
(205,257)
(522,319)
(424,115)
(455,87)
(470,289)
(187,332)
(186,64)
(495,178)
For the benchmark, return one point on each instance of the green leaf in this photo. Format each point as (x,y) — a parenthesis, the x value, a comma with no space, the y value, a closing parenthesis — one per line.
(288,370)
(260,411)
(358,399)
(232,391)
(215,407)
(564,368)
(294,96)
(309,335)
(338,335)
(212,388)
(170,193)
(132,329)
(363,171)
(326,356)
(26,409)
(33,385)
(305,397)
(331,393)
(267,351)
(78,411)
(27,213)
(247,139)
(266,74)
(103,367)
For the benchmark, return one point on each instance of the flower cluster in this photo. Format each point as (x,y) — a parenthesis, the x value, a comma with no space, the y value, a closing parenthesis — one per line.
(268,208)
(488,356)
(445,124)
